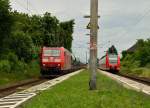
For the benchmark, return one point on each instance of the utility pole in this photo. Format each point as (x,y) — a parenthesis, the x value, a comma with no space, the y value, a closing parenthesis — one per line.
(93,43)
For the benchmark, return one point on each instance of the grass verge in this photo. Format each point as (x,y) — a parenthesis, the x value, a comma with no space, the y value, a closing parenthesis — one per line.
(74,93)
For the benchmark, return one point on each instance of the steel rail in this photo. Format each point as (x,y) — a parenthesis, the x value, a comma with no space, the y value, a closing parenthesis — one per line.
(12,88)
(143,80)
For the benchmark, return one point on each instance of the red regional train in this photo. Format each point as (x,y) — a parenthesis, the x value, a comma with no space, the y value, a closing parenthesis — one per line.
(54,60)
(110,62)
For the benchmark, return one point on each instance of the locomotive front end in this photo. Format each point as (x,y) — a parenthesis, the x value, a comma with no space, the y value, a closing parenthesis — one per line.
(51,59)
(114,62)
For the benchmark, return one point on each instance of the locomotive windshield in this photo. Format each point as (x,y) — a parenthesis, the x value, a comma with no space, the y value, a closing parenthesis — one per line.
(54,53)
(113,58)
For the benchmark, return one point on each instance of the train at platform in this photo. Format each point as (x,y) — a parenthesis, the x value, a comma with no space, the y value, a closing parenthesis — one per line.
(110,61)
(55,60)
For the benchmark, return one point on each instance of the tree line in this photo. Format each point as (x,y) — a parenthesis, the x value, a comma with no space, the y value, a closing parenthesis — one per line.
(140,57)
(22,35)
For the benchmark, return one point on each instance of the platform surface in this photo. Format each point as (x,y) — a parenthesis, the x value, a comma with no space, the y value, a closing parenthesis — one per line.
(128,83)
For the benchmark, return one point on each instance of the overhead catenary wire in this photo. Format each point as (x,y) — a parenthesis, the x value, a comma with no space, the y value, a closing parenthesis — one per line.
(138,21)
(142,16)
(22,5)
(32,10)
(31,6)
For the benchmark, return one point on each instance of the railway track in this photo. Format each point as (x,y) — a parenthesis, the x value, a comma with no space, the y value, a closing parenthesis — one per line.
(16,99)
(12,88)
(143,80)
(22,85)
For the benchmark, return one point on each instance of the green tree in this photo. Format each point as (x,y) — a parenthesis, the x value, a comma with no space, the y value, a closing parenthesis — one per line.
(50,26)
(5,24)
(67,28)
(141,54)
(22,45)
(36,30)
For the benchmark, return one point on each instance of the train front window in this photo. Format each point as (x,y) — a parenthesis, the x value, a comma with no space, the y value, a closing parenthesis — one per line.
(113,58)
(54,53)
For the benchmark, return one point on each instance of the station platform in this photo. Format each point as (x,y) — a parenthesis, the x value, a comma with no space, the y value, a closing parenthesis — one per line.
(128,83)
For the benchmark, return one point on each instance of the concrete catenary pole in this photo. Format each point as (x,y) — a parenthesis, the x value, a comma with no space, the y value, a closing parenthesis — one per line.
(93,43)
(86,57)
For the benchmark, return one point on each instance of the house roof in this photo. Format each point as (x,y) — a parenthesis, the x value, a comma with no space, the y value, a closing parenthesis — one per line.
(132,48)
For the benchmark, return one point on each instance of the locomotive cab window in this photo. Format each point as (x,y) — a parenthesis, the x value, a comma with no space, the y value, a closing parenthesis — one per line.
(113,58)
(54,53)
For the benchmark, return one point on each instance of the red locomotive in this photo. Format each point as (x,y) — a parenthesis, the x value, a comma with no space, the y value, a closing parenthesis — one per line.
(111,61)
(55,59)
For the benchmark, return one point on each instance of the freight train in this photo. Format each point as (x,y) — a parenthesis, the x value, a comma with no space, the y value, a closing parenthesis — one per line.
(111,61)
(56,60)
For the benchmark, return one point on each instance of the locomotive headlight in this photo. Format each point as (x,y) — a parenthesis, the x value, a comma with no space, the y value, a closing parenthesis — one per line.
(57,60)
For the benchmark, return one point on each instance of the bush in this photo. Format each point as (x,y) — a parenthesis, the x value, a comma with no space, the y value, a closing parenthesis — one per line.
(11,64)
(5,66)
(33,69)
(137,71)
(20,67)
(22,44)
(125,70)
(12,57)
(146,72)
(141,53)
(148,65)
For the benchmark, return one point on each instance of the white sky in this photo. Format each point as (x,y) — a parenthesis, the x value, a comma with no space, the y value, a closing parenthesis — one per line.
(122,22)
